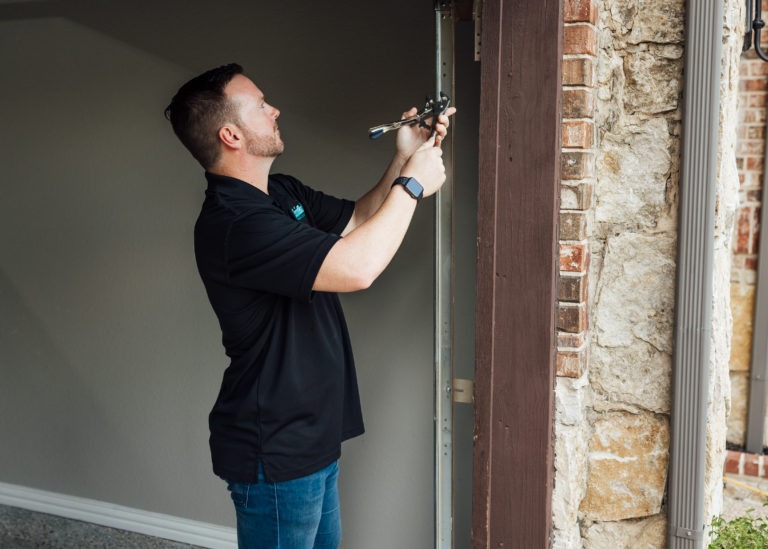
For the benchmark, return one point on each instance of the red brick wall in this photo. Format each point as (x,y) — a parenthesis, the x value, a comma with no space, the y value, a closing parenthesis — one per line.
(577,173)
(750,150)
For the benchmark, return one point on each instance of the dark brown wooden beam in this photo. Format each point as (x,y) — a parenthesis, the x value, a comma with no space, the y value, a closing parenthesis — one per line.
(517,272)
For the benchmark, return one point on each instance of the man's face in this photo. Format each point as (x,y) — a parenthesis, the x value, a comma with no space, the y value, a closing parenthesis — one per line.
(258,119)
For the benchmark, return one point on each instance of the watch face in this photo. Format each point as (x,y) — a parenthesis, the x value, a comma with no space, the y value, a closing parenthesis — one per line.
(415,188)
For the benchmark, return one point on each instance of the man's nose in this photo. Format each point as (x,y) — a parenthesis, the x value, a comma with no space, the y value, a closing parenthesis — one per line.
(275,112)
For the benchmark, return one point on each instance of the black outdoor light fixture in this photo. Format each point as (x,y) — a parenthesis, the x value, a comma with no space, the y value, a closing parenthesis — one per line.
(755,24)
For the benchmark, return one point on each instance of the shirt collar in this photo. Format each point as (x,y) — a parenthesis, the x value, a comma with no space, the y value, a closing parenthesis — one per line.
(234,187)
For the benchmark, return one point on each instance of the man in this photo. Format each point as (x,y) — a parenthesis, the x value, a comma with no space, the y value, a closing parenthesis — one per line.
(272,253)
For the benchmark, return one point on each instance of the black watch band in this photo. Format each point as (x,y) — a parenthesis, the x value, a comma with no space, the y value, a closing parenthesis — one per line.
(412,187)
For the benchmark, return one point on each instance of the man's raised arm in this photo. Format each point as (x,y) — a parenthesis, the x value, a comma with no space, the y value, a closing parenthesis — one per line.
(357,259)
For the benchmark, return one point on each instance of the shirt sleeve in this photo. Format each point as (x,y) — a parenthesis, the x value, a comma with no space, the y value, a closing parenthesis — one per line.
(329,213)
(270,252)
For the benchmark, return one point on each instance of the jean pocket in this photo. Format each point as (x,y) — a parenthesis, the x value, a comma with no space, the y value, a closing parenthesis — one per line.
(238,491)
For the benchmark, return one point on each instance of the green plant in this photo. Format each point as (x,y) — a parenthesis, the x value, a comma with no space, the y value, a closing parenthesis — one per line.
(745,532)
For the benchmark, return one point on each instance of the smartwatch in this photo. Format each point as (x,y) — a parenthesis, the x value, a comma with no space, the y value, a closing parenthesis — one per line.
(412,187)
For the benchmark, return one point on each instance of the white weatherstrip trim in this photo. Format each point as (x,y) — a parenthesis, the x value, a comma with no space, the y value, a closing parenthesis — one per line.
(117,516)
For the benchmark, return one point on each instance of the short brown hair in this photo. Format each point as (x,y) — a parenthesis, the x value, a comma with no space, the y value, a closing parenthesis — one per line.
(200,108)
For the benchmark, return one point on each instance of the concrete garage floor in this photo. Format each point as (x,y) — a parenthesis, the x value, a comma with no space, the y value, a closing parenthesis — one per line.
(22,529)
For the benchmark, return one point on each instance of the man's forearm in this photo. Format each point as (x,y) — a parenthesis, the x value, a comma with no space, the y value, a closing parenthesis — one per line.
(358,259)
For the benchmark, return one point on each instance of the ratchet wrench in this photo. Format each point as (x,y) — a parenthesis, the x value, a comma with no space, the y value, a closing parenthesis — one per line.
(432,109)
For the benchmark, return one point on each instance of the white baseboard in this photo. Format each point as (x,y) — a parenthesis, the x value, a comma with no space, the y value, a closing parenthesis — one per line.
(117,516)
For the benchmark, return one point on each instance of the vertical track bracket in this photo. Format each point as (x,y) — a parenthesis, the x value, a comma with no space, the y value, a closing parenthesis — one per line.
(444,66)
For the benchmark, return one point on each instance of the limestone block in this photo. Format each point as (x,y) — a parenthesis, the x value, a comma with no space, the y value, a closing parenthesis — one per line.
(728,174)
(570,460)
(635,297)
(628,457)
(648,21)
(621,16)
(634,377)
(647,533)
(653,82)
(570,475)
(734,22)
(611,81)
(570,400)
(743,310)
(715,456)
(569,538)
(659,23)
(737,419)
(634,321)
(722,327)
(633,168)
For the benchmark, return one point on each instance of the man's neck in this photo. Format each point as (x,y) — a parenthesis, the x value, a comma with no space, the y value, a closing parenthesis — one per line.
(255,171)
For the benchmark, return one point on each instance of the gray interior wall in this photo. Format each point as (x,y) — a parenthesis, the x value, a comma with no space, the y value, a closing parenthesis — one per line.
(109,352)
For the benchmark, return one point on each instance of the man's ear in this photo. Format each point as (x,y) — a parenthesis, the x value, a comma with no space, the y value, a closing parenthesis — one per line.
(231,136)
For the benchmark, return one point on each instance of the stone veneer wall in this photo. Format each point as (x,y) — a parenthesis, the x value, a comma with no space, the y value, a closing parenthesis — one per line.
(750,150)
(621,185)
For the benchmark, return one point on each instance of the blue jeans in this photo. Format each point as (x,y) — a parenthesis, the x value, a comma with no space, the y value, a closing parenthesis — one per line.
(297,514)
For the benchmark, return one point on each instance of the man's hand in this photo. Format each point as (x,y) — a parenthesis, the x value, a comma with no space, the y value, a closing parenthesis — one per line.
(426,166)
(410,138)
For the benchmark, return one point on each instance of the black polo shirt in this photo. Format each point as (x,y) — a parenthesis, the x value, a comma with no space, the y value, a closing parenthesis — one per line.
(289,396)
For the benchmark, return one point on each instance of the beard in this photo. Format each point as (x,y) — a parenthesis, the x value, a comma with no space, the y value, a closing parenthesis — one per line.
(268,146)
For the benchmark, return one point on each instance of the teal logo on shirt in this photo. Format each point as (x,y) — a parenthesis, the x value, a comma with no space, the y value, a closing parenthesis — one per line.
(298,212)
